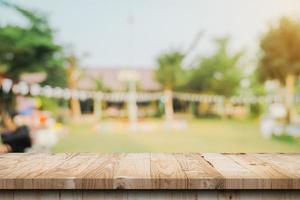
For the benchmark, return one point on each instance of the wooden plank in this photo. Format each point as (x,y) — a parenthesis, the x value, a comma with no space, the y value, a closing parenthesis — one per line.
(181,195)
(228,195)
(71,195)
(284,163)
(150,194)
(200,174)
(267,176)
(207,194)
(166,172)
(10,165)
(69,174)
(150,171)
(294,195)
(133,172)
(105,195)
(292,163)
(235,176)
(140,194)
(251,194)
(100,173)
(269,194)
(25,168)
(36,195)
(6,195)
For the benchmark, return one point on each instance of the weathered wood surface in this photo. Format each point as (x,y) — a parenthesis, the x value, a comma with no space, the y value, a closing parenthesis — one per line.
(149,171)
(150,194)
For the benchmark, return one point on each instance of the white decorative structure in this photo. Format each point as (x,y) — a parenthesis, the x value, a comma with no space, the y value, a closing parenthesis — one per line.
(169,112)
(131,77)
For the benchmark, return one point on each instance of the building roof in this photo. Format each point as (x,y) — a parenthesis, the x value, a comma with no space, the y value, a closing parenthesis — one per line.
(110,78)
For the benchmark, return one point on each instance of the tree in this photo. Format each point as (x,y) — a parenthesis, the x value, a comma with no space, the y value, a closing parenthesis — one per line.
(73,76)
(169,71)
(217,73)
(280,58)
(30,48)
(170,75)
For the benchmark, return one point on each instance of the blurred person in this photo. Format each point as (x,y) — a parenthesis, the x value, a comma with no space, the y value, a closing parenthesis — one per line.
(15,138)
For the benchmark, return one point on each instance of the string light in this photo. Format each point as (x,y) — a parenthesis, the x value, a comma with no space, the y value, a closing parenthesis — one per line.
(35,90)
(66,93)
(7,85)
(47,91)
(23,88)
(58,92)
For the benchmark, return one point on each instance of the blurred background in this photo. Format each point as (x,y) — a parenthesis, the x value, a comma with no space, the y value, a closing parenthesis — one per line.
(150,76)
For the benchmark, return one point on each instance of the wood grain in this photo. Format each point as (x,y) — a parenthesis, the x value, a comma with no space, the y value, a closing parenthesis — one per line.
(287,164)
(149,171)
(235,175)
(263,171)
(133,171)
(198,171)
(150,195)
(26,167)
(100,173)
(166,172)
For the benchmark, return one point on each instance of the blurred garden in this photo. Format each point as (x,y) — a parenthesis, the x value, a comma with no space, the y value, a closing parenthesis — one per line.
(187,102)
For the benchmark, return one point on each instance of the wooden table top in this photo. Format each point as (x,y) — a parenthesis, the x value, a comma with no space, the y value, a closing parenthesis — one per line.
(149,171)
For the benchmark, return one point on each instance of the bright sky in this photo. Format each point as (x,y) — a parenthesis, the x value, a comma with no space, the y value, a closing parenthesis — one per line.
(100,31)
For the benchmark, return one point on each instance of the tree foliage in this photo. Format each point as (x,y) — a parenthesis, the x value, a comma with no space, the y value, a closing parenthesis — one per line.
(217,73)
(169,72)
(26,49)
(280,51)
(30,48)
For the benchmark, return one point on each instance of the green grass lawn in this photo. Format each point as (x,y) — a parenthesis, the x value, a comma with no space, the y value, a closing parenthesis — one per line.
(200,135)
